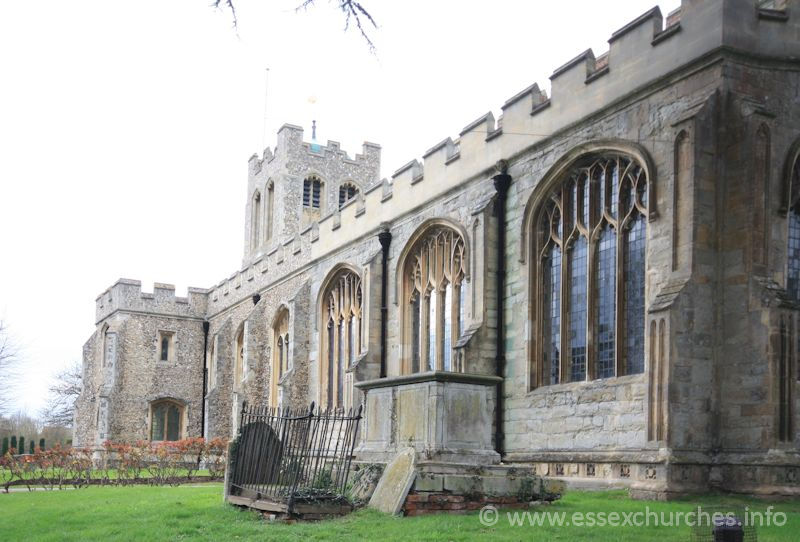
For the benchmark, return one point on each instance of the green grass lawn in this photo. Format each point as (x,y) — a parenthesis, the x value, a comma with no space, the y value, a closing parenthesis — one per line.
(198,513)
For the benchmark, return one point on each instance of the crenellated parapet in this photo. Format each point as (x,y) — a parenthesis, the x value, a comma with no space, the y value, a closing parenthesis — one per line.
(290,145)
(127,295)
(645,50)
(649,48)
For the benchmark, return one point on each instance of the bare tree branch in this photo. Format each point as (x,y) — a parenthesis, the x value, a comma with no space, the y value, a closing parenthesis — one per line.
(64,392)
(352,9)
(228,4)
(9,368)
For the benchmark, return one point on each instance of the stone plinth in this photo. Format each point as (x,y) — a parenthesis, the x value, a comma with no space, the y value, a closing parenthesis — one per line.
(443,416)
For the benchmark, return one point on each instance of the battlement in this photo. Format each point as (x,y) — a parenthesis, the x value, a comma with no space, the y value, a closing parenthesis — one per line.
(290,141)
(646,49)
(641,52)
(127,295)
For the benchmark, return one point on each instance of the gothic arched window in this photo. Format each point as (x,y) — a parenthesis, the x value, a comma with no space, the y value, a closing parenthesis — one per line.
(312,192)
(347,191)
(280,354)
(239,369)
(255,225)
(166,420)
(434,273)
(793,248)
(590,243)
(212,364)
(341,338)
(270,210)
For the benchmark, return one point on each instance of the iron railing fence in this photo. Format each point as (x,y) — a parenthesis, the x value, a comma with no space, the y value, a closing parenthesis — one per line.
(290,455)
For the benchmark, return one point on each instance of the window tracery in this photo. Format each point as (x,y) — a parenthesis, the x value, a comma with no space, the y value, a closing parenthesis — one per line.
(590,250)
(435,293)
(341,337)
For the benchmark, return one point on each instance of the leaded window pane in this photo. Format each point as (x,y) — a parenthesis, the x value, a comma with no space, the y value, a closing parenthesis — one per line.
(286,354)
(331,360)
(448,326)
(164,348)
(605,307)
(432,331)
(634,273)
(280,356)
(158,422)
(585,189)
(340,365)
(598,187)
(462,290)
(793,255)
(552,309)
(352,342)
(577,310)
(613,175)
(416,322)
(173,423)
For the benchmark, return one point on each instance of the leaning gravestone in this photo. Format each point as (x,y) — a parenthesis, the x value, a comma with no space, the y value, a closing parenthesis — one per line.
(396,481)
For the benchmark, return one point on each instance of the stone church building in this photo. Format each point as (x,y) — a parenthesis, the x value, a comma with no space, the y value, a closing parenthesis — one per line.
(600,284)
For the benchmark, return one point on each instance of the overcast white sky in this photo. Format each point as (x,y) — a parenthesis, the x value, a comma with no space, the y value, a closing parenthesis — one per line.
(125,127)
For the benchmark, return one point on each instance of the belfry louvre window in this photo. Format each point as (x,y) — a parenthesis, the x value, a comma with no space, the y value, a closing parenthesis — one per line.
(589,273)
(347,191)
(341,338)
(165,420)
(312,192)
(435,292)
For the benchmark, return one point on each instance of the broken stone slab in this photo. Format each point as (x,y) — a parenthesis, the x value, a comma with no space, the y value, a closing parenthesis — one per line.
(395,483)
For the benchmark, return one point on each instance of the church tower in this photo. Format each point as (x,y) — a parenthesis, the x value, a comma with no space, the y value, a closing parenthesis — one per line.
(299,183)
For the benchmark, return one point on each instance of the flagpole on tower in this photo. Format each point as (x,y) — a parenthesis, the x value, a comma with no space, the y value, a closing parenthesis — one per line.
(264,126)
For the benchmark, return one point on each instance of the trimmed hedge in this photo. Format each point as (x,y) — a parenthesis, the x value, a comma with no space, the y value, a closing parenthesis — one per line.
(114,464)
